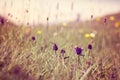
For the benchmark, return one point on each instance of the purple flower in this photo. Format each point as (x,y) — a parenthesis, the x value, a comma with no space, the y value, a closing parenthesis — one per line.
(2,21)
(112,75)
(89,46)
(1,64)
(78,50)
(62,51)
(33,38)
(105,20)
(16,69)
(88,63)
(55,47)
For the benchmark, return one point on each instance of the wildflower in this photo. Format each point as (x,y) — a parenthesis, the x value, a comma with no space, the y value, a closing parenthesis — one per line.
(39,32)
(105,20)
(1,64)
(112,18)
(33,38)
(64,24)
(88,63)
(112,76)
(92,35)
(16,69)
(78,50)
(62,51)
(55,47)
(90,46)
(117,24)
(2,21)
(87,35)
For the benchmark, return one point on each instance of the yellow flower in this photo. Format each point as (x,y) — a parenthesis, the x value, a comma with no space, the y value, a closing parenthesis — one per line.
(39,32)
(92,35)
(117,24)
(98,19)
(112,18)
(87,35)
(55,34)
(64,24)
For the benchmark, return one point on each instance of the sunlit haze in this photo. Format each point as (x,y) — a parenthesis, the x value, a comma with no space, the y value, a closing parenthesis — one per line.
(36,11)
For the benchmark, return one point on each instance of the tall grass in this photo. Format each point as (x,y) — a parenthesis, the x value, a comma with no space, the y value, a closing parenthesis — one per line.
(21,58)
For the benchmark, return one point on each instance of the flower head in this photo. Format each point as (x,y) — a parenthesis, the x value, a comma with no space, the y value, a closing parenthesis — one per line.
(33,38)
(112,75)
(39,32)
(62,51)
(2,21)
(78,50)
(112,18)
(87,35)
(55,47)
(88,63)
(1,64)
(90,46)
(16,69)
(105,20)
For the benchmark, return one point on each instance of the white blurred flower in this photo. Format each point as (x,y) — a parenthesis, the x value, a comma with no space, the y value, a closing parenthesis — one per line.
(55,34)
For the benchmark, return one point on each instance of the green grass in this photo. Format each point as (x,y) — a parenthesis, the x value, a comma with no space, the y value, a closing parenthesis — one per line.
(21,58)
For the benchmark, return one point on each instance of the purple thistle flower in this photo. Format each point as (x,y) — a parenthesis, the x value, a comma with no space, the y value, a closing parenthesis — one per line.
(78,51)
(16,69)
(55,47)
(1,64)
(105,20)
(89,46)
(62,51)
(2,21)
(33,38)
(88,63)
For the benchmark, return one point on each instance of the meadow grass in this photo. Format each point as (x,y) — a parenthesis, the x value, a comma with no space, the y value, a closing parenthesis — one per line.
(22,58)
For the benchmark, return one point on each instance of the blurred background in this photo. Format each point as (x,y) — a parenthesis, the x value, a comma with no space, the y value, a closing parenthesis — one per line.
(36,11)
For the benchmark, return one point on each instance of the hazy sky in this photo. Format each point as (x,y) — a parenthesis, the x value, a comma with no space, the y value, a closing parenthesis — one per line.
(38,10)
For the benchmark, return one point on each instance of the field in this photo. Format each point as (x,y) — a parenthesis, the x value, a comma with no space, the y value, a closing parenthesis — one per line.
(52,52)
